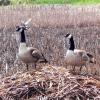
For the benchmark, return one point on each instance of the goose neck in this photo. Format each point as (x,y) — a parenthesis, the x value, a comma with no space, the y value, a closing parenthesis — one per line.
(71,44)
(23,39)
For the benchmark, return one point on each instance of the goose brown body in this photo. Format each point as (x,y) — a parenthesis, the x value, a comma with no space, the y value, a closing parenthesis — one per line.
(76,57)
(28,54)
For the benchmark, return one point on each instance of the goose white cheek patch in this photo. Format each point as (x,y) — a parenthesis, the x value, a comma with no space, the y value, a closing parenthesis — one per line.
(69,36)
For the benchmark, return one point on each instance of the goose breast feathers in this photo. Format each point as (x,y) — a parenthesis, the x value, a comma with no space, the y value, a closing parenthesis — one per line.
(29,55)
(76,57)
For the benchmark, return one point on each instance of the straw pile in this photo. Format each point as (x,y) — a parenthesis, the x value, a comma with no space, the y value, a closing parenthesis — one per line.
(49,83)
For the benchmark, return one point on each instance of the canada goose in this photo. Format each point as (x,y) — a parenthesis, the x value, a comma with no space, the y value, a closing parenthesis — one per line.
(76,57)
(28,54)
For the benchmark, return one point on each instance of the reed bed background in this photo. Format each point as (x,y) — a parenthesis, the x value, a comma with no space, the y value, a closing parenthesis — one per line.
(47,29)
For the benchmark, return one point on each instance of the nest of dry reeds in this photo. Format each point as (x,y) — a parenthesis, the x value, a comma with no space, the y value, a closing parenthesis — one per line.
(49,83)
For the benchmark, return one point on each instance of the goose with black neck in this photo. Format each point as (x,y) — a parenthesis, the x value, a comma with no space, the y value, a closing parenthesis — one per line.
(28,54)
(77,57)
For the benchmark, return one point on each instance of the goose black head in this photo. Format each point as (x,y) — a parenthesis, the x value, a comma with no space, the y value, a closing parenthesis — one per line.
(21,28)
(68,36)
(24,26)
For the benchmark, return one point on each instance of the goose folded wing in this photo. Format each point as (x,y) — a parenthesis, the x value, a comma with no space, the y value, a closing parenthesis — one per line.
(39,56)
(83,55)
(36,54)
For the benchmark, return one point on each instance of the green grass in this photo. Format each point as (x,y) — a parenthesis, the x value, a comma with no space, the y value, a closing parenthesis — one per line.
(79,2)
(38,1)
(76,2)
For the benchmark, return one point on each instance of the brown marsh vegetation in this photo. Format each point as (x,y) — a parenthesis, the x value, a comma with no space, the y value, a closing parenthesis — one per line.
(47,29)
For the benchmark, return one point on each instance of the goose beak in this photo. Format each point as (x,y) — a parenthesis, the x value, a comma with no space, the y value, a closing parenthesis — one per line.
(17,28)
